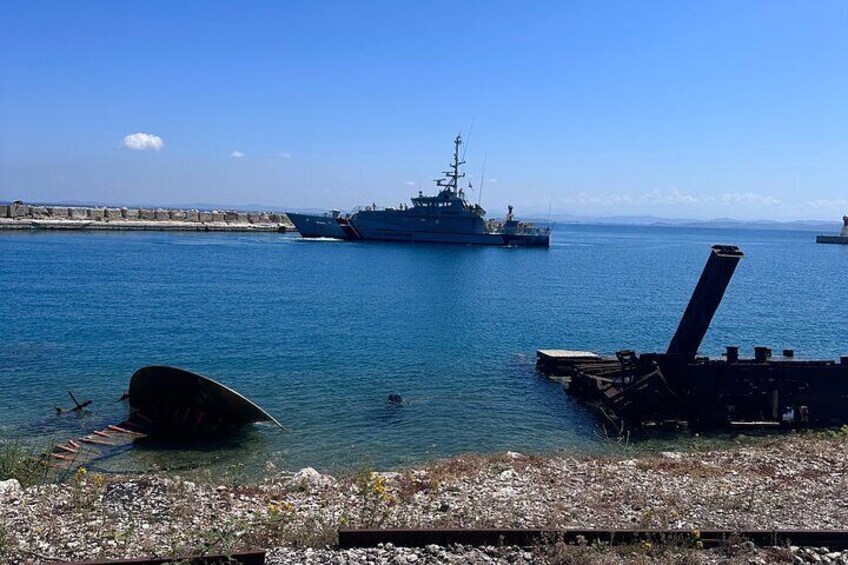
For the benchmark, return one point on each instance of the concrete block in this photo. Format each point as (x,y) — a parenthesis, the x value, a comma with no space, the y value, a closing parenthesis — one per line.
(274,218)
(4,210)
(113,214)
(231,216)
(205,216)
(18,211)
(218,216)
(264,218)
(96,214)
(177,215)
(58,212)
(129,213)
(253,217)
(192,216)
(161,215)
(79,213)
(146,214)
(37,212)
(241,217)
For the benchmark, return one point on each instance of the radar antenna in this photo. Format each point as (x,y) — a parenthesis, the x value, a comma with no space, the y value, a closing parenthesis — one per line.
(482,179)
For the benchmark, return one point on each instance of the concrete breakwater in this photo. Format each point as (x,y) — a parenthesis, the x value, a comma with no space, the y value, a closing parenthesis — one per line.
(18,215)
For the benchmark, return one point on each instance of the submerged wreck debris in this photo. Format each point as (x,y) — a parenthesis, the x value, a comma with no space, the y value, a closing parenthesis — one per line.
(174,402)
(680,388)
(78,406)
(169,404)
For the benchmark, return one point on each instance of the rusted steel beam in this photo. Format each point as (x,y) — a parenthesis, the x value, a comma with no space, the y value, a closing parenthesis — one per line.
(705,300)
(237,558)
(349,538)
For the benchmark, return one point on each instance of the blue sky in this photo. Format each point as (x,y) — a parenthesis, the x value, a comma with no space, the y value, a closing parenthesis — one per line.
(676,109)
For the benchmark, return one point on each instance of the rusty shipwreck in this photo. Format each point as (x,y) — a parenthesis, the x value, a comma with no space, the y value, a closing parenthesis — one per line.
(679,387)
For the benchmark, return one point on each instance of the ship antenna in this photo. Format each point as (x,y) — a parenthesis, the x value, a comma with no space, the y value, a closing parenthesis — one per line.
(482,178)
(468,139)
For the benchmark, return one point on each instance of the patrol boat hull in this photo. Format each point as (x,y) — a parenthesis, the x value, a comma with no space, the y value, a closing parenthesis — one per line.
(353,229)
(317,225)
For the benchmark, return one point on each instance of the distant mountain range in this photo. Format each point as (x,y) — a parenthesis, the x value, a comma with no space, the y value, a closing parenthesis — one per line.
(620,220)
(718,223)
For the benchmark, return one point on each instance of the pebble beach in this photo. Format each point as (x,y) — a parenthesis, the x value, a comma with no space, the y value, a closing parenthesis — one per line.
(781,482)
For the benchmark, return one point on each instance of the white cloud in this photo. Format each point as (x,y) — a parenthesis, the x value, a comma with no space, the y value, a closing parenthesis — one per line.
(493,181)
(236,154)
(411,183)
(674,197)
(749,198)
(599,198)
(285,155)
(825,203)
(142,142)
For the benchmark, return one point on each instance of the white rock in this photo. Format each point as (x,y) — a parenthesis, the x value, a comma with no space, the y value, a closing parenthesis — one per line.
(10,489)
(313,478)
(507,475)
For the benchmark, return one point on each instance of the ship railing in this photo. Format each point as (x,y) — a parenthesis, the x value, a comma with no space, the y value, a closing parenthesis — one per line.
(371,208)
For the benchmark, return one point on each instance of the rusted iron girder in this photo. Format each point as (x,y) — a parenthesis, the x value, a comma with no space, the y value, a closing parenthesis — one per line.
(350,538)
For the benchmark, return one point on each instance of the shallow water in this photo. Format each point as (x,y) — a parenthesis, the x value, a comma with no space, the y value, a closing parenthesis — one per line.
(319,333)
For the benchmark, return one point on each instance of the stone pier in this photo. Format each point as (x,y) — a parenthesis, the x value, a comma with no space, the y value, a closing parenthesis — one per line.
(842,238)
(18,215)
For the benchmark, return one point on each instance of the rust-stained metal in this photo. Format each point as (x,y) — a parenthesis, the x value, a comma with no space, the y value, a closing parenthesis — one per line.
(678,387)
(350,538)
(705,300)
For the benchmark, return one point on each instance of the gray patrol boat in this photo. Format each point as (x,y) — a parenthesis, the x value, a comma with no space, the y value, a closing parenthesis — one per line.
(446,217)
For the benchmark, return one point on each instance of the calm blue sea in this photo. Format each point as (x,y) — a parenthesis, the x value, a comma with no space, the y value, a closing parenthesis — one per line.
(320,333)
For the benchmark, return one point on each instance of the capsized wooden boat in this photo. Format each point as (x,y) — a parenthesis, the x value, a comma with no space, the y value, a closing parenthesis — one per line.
(167,400)
(169,404)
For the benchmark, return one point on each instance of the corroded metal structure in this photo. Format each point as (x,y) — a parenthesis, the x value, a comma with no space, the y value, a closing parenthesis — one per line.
(679,387)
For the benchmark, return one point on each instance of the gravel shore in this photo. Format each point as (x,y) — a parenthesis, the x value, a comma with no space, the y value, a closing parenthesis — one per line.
(787,482)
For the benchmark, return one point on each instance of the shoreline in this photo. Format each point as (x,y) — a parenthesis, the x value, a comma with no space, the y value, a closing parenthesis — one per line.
(20,216)
(795,482)
(129,225)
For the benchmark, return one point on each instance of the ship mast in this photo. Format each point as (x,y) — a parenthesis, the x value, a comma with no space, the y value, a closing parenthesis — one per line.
(453,175)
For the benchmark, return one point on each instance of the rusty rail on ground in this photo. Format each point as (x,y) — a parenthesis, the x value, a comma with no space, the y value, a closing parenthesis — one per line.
(350,538)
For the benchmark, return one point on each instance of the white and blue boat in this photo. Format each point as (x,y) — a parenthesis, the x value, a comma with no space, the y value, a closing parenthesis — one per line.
(446,217)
